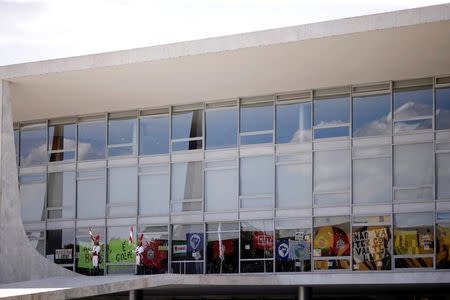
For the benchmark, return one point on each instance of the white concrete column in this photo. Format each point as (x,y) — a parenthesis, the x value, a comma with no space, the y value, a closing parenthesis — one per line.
(304,293)
(19,261)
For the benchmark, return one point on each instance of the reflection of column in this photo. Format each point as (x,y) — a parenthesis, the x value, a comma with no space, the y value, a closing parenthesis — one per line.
(20,261)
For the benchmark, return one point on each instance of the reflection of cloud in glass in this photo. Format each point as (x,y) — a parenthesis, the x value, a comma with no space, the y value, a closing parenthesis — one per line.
(412,109)
(331,123)
(301,136)
(332,171)
(377,127)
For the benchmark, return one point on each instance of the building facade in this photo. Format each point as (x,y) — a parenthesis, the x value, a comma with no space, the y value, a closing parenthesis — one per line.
(339,174)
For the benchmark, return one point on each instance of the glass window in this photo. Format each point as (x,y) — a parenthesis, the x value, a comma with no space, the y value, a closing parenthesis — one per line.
(414,240)
(154,189)
(443,108)
(221,128)
(91,194)
(121,136)
(187,130)
(331,117)
(257,246)
(154,135)
(61,195)
(120,252)
(16,144)
(369,173)
(331,243)
(256,123)
(122,192)
(33,145)
(293,123)
(156,248)
(221,186)
(256,182)
(331,177)
(443,175)
(293,246)
(84,244)
(372,115)
(222,248)
(294,183)
(33,192)
(62,141)
(91,140)
(187,186)
(413,109)
(37,240)
(371,243)
(59,246)
(187,249)
(443,241)
(413,172)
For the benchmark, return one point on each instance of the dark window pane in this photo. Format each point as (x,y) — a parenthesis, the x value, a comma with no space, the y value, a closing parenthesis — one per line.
(371,248)
(62,137)
(33,146)
(60,156)
(413,102)
(412,125)
(154,135)
(121,151)
(414,262)
(332,112)
(91,140)
(293,123)
(331,132)
(443,108)
(222,252)
(156,249)
(187,245)
(256,139)
(221,128)
(256,117)
(293,247)
(187,145)
(122,131)
(331,264)
(257,239)
(443,246)
(372,115)
(59,245)
(187,124)
(257,266)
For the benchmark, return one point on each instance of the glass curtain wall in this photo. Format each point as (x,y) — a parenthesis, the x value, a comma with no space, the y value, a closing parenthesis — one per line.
(257,246)
(156,248)
(60,247)
(221,125)
(187,186)
(122,192)
(256,121)
(62,142)
(221,186)
(122,134)
(91,194)
(83,248)
(33,195)
(154,189)
(154,133)
(187,129)
(120,255)
(222,248)
(443,240)
(188,242)
(91,139)
(33,145)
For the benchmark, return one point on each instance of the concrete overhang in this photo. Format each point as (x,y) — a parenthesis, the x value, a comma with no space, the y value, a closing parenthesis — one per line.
(389,46)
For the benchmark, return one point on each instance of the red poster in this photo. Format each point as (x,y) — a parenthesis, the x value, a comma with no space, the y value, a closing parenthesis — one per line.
(262,241)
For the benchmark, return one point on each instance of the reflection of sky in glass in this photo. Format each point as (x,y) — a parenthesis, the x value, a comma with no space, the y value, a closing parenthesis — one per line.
(122,132)
(33,148)
(413,165)
(256,175)
(293,123)
(62,137)
(412,125)
(372,180)
(328,112)
(256,117)
(187,124)
(371,115)
(221,128)
(332,171)
(322,133)
(412,103)
(91,140)
(443,108)
(122,185)
(256,139)
(154,135)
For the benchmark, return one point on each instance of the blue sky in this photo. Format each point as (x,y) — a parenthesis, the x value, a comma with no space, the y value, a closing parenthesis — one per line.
(33,30)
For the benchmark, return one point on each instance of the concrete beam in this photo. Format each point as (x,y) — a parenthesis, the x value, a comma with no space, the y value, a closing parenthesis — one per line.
(19,261)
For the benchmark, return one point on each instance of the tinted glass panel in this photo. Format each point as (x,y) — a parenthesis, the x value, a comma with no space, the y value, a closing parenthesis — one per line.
(221,189)
(332,112)
(257,139)
(372,115)
(187,249)
(187,181)
(156,249)
(332,171)
(221,128)
(61,195)
(412,125)
(122,192)
(256,117)
(257,243)
(154,135)
(369,173)
(187,145)
(59,245)
(154,193)
(323,133)
(414,102)
(62,137)
(293,123)
(187,124)
(33,146)
(16,144)
(122,132)
(91,194)
(294,185)
(256,175)
(222,251)
(33,189)
(443,108)
(443,175)
(91,140)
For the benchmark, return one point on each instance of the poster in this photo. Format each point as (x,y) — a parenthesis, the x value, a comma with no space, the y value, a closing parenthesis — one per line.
(443,246)
(282,253)
(262,241)
(300,250)
(63,254)
(194,243)
(371,248)
(120,251)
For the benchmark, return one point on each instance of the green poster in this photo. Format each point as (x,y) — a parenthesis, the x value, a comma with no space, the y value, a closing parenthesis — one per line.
(120,251)
(84,255)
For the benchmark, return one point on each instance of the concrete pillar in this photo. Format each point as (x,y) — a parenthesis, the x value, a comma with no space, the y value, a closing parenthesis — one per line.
(304,293)
(19,260)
